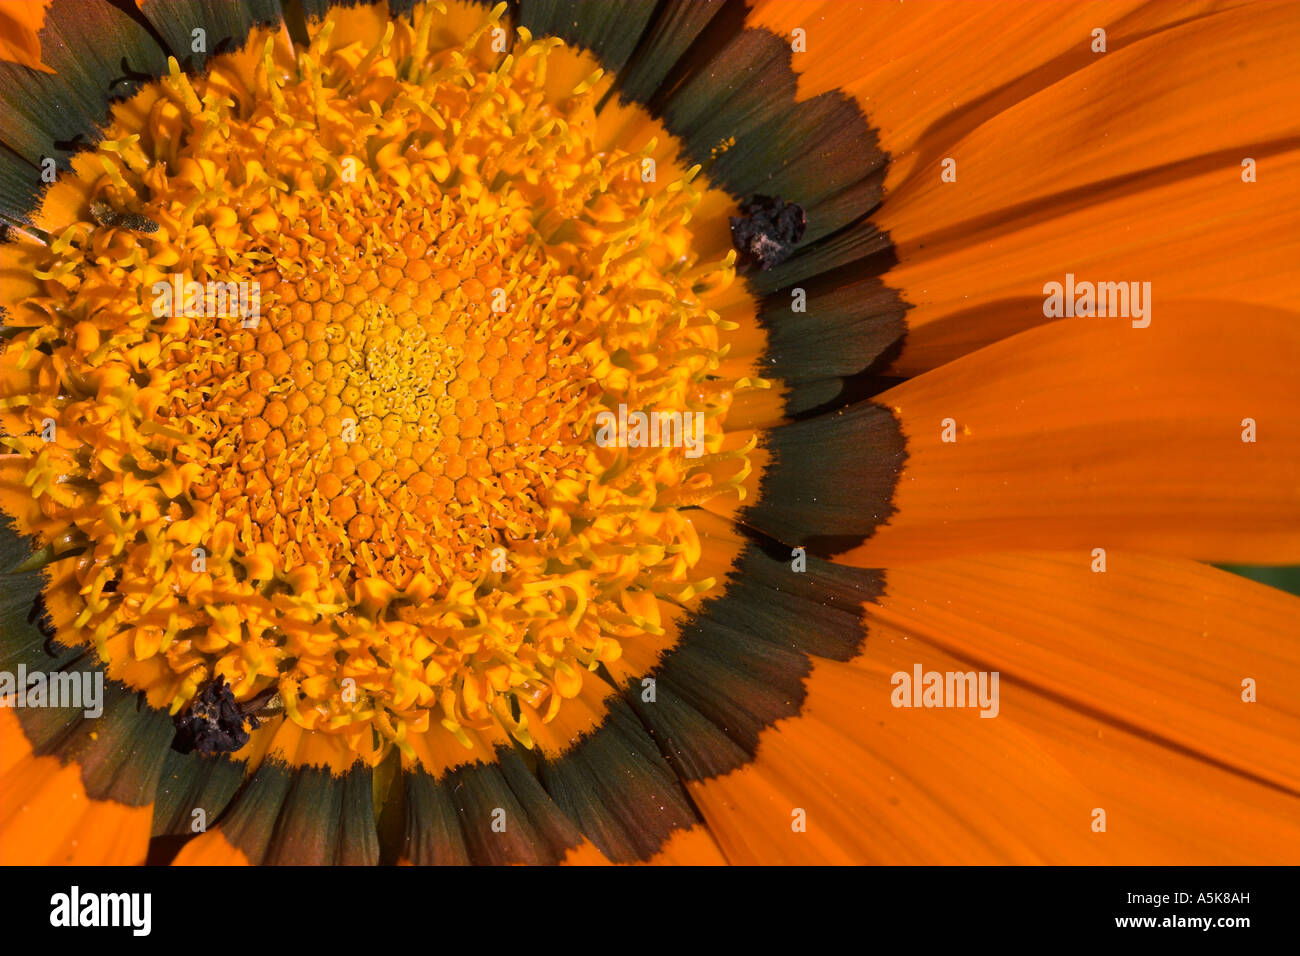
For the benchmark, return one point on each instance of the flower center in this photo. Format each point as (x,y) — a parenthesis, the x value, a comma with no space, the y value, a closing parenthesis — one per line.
(327,365)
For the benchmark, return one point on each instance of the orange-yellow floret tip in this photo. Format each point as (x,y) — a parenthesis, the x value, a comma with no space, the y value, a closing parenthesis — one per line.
(360,468)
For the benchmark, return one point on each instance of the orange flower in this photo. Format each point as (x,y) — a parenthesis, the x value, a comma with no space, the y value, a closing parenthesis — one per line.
(632,434)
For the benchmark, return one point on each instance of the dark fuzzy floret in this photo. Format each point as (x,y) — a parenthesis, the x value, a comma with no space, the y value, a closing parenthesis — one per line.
(214,724)
(768,230)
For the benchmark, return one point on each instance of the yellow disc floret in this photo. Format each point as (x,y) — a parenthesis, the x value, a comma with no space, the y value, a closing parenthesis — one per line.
(332,394)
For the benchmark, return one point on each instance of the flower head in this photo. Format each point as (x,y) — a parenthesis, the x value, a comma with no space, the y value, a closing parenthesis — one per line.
(494,435)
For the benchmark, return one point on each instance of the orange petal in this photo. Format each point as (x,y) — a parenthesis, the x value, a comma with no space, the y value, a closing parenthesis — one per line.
(926,72)
(585,854)
(1090,433)
(210,849)
(1082,176)
(20,27)
(46,817)
(869,782)
(693,847)
(1185,93)
(980,286)
(1161,646)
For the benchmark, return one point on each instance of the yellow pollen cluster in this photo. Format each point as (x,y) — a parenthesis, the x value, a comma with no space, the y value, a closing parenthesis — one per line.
(328,429)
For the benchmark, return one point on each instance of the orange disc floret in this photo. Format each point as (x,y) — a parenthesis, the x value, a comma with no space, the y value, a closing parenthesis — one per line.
(342,508)
(275,413)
